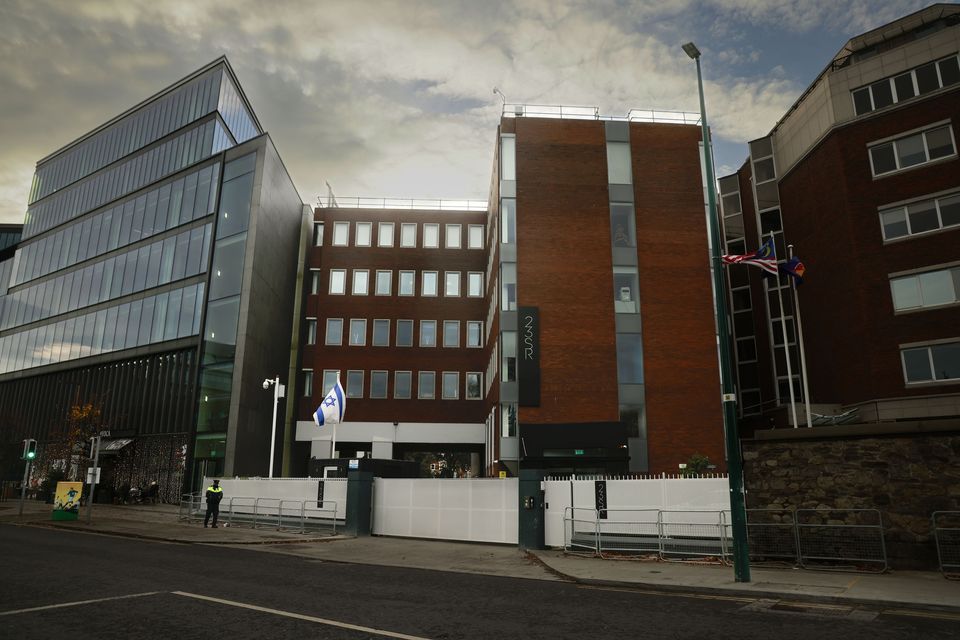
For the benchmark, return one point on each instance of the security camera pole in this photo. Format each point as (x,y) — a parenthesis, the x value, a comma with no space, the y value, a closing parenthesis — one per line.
(278,390)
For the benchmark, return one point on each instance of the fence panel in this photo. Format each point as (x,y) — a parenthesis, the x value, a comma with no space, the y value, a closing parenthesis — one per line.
(580,531)
(692,534)
(946,533)
(771,536)
(841,539)
(633,532)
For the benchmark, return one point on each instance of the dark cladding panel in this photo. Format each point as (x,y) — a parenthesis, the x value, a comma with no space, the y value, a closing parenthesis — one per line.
(529,356)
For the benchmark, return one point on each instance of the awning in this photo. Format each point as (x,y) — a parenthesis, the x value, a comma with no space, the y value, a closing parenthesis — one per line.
(606,439)
(114,445)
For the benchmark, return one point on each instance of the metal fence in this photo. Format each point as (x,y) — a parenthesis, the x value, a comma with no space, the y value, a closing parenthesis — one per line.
(826,539)
(946,533)
(282,514)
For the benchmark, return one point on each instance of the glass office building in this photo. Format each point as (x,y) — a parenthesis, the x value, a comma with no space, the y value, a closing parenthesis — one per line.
(143,245)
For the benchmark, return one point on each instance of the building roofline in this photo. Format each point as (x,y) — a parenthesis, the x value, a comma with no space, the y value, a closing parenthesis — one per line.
(182,81)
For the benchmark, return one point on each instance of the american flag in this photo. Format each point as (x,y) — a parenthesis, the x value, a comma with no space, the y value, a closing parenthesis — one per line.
(765,257)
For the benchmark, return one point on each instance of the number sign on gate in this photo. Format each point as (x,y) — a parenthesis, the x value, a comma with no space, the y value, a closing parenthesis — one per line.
(600,491)
(320,495)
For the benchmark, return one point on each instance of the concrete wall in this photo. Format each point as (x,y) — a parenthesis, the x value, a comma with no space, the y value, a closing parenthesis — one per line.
(906,470)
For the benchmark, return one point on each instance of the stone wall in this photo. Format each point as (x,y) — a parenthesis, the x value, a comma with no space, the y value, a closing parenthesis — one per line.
(905,470)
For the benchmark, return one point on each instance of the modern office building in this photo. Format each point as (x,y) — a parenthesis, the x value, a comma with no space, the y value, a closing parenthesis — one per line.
(861,177)
(566,327)
(154,283)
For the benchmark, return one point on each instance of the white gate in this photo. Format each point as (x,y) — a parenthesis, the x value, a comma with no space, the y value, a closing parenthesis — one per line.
(472,509)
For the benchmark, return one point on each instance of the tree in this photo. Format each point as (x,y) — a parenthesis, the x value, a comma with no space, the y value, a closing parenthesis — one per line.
(68,443)
(697,465)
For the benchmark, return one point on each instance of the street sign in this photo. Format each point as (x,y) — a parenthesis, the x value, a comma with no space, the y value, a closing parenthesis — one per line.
(354,464)
(91,479)
(503,474)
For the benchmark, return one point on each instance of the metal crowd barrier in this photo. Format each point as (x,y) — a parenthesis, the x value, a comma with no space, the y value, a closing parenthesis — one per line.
(628,531)
(841,539)
(771,536)
(946,533)
(285,515)
(580,531)
(692,534)
(191,505)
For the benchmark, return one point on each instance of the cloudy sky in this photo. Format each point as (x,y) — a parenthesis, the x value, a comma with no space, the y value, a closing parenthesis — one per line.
(395,99)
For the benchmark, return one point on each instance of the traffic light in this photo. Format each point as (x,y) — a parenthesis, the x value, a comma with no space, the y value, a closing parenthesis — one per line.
(29,449)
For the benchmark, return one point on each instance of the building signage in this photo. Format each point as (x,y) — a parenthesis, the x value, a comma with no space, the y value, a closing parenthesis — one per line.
(320,495)
(528,356)
(600,491)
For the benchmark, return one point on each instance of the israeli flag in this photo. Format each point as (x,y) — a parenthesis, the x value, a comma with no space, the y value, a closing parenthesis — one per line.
(332,408)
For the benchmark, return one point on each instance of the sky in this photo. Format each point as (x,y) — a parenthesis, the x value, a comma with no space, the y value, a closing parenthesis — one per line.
(395,99)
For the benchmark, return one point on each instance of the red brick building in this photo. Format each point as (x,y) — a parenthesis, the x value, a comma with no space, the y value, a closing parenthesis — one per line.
(861,176)
(572,317)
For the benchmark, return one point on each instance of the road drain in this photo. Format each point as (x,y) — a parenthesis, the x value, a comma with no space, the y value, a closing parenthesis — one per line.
(811,609)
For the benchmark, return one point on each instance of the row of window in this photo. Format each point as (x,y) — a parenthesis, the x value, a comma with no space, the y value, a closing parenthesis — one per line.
(916,82)
(924,290)
(380,335)
(402,384)
(363,235)
(173,258)
(406,285)
(165,316)
(921,217)
(931,363)
(912,150)
(158,119)
(194,144)
(179,202)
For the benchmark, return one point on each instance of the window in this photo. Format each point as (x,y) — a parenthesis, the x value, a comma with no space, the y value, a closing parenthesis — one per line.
(508,157)
(318,234)
(919,81)
(341,234)
(508,351)
(931,363)
(452,284)
(618,163)
(427,385)
(431,235)
(361,283)
(475,236)
(912,150)
(930,289)
(474,386)
(381,333)
(474,333)
(451,333)
(921,217)
(354,384)
(378,384)
(508,220)
(401,384)
(625,290)
(407,279)
(334,335)
(384,287)
(408,234)
(763,170)
(338,281)
(428,285)
(385,234)
(475,284)
(307,375)
(311,331)
(453,236)
(629,358)
(450,386)
(358,332)
(314,281)
(404,333)
(329,379)
(428,333)
(364,231)
(508,286)
(623,225)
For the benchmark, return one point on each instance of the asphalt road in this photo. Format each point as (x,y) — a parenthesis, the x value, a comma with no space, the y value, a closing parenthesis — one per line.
(141,589)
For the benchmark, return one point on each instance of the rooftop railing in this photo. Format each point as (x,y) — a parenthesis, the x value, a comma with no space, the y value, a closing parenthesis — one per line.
(593,113)
(353,202)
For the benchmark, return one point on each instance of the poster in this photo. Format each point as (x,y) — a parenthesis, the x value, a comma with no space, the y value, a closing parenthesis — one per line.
(66,502)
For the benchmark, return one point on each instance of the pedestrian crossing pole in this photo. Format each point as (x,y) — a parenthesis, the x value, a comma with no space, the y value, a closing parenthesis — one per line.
(741,552)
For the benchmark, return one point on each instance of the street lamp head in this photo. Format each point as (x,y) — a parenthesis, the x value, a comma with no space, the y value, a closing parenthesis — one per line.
(691,50)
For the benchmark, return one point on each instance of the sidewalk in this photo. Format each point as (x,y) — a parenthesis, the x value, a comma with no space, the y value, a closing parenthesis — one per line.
(907,590)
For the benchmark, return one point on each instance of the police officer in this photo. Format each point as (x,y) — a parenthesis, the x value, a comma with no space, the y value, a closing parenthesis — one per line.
(214,496)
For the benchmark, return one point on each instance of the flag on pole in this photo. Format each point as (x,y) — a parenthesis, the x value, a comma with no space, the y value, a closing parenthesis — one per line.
(332,408)
(793,267)
(765,257)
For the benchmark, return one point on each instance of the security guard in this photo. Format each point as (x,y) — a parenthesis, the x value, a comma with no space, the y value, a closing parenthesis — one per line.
(214,496)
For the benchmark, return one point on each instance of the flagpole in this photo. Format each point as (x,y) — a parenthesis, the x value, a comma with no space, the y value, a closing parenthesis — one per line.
(803,356)
(333,445)
(786,342)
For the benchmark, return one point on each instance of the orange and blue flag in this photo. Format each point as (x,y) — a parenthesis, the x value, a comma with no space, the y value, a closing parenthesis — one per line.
(794,267)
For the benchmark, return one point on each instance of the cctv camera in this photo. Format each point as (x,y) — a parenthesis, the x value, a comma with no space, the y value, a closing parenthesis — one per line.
(266,383)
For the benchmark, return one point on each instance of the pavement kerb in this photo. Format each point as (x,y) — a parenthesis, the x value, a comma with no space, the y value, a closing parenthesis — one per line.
(141,536)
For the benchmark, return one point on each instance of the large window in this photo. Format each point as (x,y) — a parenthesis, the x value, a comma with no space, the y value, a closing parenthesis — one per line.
(378,384)
(921,217)
(475,284)
(618,163)
(450,385)
(384,287)
(428,333)
(361,282)
(930,289)
(451,333)
(307,375)
(474,386)
(311,331)
(354,384)
(931,363)
(452,284)
(431,235)
(428,285)
(338,281)
(916,82)
(475,236)
(454,235)
(508,220)
(381,333)
(407,280)
(427,385)
(474,333)
(318,234)
(629,358)
(622,225)
(404,333)
(334,335)
(358,332)
(341,234)
(401,384)
(408,234)
(329,379)
(625,290)
(912,150)
(385,234)
(364,231)
(508,286)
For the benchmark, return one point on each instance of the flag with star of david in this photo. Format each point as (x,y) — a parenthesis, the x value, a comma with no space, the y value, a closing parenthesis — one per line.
(332,408)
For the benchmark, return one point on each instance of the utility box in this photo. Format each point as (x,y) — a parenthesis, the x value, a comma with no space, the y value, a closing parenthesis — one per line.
(531,510)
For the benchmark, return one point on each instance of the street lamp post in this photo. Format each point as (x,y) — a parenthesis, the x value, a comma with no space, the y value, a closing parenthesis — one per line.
(741,553)
(278,390)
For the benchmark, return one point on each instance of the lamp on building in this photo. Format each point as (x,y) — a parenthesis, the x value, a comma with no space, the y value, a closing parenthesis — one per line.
(741,553)
(278,390)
